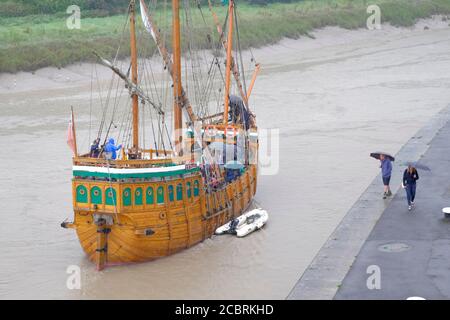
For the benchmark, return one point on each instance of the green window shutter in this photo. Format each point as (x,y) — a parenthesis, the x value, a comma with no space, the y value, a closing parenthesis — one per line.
(126,197)
(179,192)
(188,189)
(171,193)
(81,194)
(110,197)
(150,197)
(196,188)
(138,197)
(160,195)
(96,195)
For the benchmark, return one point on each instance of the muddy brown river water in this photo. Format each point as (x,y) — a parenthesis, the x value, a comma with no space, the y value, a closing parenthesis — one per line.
(335,99)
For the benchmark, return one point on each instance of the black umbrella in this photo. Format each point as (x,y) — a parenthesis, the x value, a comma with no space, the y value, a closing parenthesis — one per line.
(417,165)
(376,155)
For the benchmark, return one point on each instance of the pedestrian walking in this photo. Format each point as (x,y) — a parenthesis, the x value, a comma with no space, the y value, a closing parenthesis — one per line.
(386,171)
(409,183)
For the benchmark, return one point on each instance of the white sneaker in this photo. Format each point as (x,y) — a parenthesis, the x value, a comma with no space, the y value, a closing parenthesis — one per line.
(409,208)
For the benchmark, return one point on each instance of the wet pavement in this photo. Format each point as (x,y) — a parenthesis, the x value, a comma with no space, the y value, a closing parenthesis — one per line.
(405,253)
(411,248)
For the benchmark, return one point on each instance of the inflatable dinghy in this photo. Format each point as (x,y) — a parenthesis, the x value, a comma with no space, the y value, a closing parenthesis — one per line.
(245,224)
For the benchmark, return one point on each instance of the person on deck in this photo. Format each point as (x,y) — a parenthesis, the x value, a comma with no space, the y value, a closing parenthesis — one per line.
(410,177)
(95,149)
(386,171)
(111,149)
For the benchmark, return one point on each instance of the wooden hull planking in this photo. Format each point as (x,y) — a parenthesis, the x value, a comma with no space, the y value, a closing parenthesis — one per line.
(143,229)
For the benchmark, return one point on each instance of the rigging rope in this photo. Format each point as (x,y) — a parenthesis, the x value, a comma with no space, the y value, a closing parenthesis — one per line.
(105,108)
(239,49)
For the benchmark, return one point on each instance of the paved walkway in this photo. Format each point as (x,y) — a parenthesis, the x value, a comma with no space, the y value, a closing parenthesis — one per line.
(411,249)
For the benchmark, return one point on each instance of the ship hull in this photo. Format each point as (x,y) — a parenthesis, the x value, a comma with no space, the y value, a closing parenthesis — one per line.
(137,229)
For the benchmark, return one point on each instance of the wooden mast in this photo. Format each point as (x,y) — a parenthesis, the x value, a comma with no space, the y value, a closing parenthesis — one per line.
(134,75)
(153,29)
(177,86)
(233,64)
(229,58)
(252,82)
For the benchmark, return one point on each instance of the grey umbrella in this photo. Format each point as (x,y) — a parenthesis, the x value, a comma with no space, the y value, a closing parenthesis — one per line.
(376,155)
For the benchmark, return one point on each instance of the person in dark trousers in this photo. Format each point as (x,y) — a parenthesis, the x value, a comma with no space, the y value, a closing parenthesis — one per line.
(95,148)
(410,177)
(386,171)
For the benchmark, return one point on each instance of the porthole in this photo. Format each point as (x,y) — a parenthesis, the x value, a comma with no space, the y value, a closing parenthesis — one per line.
(82,192)
(149,193)
(126,193)
(96,193)
(138,193)
(162,215)
(110,194)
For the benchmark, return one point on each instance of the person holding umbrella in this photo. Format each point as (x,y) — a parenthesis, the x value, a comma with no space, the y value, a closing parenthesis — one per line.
(410,177)
(386,170)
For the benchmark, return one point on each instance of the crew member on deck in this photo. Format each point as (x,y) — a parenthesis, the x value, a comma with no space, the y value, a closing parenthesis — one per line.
(110,149)
(95,149)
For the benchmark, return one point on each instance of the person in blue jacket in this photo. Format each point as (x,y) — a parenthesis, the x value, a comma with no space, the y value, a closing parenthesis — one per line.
(95,148)
(111,149)
(410,176)
(386,171)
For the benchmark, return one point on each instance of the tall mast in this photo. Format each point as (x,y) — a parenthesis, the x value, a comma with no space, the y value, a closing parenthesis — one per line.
(134,74)
(229,58)
(177,86)
(224,44)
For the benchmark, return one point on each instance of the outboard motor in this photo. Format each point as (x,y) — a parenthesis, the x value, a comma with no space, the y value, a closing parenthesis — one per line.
(233,224)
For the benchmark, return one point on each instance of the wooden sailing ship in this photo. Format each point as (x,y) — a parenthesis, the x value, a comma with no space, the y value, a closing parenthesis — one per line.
(153,202)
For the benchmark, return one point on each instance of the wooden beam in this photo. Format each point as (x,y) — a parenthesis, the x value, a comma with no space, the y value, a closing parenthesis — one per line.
(153,29)
(255,74)
(229,52)
(234,65)
(177,93)
(134,75)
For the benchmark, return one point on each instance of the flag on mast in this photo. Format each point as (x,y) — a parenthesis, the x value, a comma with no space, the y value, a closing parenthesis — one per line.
(146,20)
(71,142)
